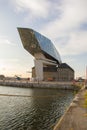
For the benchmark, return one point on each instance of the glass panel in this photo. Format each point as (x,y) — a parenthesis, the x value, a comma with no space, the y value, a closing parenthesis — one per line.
(47,46)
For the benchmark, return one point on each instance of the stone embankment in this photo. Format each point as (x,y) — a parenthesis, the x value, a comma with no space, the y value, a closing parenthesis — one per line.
(75,118)
(58,85)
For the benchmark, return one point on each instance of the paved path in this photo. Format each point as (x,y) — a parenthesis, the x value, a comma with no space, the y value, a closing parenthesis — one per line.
(75,117)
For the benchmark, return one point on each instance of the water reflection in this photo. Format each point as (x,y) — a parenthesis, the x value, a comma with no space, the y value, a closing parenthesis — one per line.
(38,112)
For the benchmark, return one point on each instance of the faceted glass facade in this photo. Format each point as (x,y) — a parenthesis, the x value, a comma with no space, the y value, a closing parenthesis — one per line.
(34,42)
(47,46)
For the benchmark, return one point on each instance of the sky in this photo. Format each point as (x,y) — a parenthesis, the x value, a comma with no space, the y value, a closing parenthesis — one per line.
(64,22)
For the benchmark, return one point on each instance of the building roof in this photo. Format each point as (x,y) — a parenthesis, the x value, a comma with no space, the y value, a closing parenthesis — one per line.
(34,43)
(64,65)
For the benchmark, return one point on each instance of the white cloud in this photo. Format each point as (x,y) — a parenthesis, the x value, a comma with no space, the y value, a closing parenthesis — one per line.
(65,31)
(76,44)
(4,40)
(64,20)
(73,13)
(9,60)
(37,8)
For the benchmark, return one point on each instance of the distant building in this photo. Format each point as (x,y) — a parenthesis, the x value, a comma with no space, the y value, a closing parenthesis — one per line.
(48,64)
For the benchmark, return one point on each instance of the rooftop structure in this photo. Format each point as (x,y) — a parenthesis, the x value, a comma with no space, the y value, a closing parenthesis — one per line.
(36,43)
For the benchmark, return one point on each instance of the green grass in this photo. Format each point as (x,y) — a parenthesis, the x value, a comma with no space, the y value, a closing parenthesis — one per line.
(85,102)
(77,86)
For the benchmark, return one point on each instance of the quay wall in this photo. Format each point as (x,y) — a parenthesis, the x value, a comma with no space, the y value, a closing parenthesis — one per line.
(58,85)
(75,116)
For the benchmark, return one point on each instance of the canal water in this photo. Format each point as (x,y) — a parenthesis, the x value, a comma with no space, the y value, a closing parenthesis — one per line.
(32,109)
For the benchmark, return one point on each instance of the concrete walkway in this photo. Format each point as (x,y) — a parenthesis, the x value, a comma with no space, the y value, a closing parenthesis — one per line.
(75,118)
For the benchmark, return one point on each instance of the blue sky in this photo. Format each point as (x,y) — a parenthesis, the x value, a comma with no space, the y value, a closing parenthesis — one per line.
(64,22)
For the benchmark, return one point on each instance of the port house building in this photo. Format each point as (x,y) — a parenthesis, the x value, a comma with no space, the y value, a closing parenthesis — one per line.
(47,61)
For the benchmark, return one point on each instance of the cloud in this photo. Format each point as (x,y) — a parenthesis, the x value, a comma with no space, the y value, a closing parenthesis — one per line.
(9,60)
(72,14)
(66,31)
(64,19)
(36,8)
(4,40)
(77,44)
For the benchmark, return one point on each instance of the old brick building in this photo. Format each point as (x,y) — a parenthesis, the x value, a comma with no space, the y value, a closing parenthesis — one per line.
(61,73)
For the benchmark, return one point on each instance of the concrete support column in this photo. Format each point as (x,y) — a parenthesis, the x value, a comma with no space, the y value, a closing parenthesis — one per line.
(39,69)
